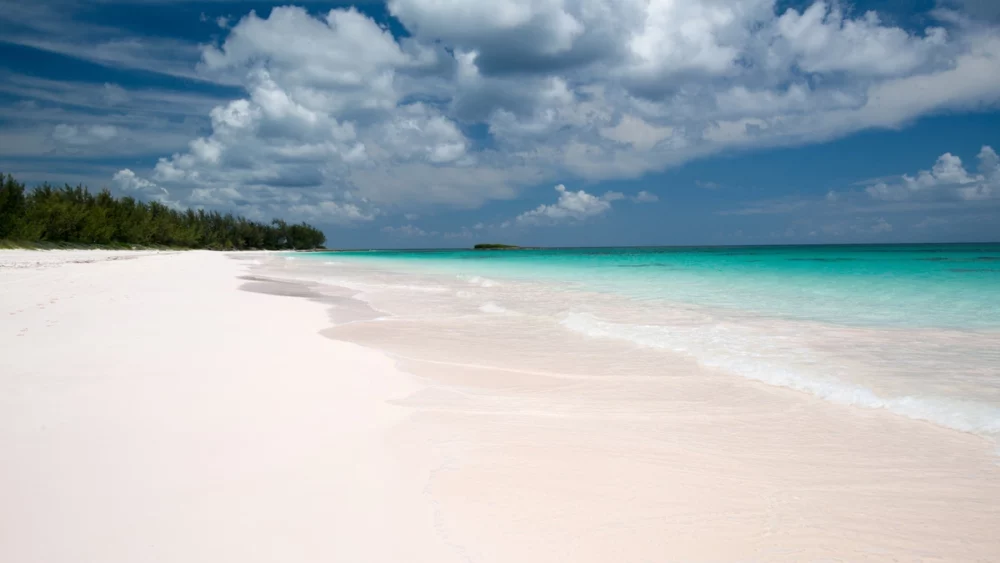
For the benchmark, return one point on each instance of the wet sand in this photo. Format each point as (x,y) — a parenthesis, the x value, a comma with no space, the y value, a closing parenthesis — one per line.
(201,407)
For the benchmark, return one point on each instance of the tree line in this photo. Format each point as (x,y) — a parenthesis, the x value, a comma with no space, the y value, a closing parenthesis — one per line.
(75,215)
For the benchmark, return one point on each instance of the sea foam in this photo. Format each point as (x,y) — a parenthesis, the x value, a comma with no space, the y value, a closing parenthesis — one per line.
(492,308)
(478,280)
(724,354)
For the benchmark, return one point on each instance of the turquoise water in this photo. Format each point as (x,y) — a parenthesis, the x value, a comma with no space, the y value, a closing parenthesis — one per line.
(912,286)
(913,329)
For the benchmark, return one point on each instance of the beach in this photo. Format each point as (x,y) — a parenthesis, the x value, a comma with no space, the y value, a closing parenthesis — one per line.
(204,406)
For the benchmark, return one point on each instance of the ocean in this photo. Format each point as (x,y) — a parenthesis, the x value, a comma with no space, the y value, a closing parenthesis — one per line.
(913,329)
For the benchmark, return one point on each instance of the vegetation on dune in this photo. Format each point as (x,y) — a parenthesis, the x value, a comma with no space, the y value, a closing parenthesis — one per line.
(48,217)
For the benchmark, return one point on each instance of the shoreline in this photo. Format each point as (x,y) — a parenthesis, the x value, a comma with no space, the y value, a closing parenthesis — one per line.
(224,420)
(883,371)
(839,467)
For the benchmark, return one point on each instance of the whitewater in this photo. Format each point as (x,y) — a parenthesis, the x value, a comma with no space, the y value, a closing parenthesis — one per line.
(913,330)
(608,404)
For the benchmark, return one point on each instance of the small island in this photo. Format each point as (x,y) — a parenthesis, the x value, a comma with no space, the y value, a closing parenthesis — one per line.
(494,246)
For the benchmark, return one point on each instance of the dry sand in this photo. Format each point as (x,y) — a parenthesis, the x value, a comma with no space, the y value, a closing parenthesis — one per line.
(151,411)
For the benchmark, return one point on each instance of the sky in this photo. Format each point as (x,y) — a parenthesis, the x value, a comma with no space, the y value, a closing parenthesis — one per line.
(444,123)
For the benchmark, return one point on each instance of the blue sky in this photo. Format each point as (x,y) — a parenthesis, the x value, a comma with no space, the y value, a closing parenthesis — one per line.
(419,123)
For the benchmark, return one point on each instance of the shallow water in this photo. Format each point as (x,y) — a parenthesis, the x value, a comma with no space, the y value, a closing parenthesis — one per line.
(914,329)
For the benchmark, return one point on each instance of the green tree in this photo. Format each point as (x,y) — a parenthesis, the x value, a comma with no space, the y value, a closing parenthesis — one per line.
(12,204)
(73,214)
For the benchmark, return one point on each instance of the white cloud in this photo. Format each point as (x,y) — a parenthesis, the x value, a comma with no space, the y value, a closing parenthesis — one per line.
(337,63)
(95,121)
(130,184)
(338,112)
(408,231)
(323,120)
(127,181)
(215,196)
(946,186)
(705,38)
(500,32)
(946,180)
(417,133)
(101,97)
(636,132)
(573,207)
(333,212)
(59,28)
(75,135)
(822,39)
(114,94)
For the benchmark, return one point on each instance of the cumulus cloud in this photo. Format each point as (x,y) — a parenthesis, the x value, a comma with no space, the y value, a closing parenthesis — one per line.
(508,35)
(821,39)
(215,196)
(333,212)
(947,185)
(946,180)
(324,127)
(128,183)
(574,207)
(340,115)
